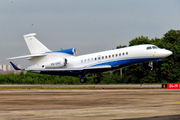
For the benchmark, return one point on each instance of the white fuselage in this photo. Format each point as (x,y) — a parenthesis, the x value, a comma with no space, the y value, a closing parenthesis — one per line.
(115,58)
(66,63)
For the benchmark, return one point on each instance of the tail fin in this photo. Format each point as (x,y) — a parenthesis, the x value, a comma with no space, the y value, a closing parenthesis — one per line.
(34,45)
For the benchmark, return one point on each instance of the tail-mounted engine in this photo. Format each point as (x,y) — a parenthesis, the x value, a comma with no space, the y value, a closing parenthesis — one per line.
(56,64)
(71,51)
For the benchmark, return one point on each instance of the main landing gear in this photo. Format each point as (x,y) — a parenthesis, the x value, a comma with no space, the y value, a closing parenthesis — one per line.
(83,80)
(96,79)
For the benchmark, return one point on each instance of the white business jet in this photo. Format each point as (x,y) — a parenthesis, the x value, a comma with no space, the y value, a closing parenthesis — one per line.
(66,63)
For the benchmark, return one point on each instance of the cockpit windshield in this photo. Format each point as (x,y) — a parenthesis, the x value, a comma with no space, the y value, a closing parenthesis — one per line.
(154,47)
(148,48)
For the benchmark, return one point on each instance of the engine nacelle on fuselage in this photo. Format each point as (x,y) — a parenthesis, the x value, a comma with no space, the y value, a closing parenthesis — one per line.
(55,64)
(71,51)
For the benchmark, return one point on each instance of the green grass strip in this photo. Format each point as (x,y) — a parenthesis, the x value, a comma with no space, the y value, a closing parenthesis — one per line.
(58,88)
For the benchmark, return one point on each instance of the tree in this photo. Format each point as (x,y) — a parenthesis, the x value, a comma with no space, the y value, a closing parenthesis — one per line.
(170,66)
(167,70)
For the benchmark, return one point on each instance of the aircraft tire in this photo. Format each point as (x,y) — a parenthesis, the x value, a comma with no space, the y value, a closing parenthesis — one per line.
(83,80)
(97,80)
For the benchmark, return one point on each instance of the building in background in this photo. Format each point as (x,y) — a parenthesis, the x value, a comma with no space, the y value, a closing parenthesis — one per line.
(5,69)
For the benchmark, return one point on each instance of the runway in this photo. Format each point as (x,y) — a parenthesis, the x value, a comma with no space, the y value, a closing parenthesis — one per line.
(103,104)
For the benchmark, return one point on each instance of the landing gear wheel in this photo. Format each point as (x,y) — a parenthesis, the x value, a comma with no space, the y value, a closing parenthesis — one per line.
(97,80)
(83,80)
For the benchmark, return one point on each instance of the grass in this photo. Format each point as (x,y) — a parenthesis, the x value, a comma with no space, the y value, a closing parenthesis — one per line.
(56,88)
(63,88)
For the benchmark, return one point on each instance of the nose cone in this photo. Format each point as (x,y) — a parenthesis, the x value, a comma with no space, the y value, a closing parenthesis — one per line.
(165,53)
(168,52)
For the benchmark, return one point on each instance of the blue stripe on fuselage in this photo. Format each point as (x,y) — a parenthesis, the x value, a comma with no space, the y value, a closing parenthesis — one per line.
(119,64)
(125,62)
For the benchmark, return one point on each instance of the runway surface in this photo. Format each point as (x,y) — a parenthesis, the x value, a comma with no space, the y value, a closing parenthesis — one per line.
(103,104)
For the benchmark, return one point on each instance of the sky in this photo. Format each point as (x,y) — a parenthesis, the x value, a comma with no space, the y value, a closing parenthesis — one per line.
(87,25)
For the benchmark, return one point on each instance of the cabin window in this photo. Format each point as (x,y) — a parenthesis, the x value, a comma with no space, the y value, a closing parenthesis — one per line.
(123,53)
(81,61)
(99,58)
(116,55)
(106,57)
(91,59)
(126,53)
(85,60)
(109,56)
(119,54)
(112,55)
(102,57)
(95,59)
(88,60)
(148,48)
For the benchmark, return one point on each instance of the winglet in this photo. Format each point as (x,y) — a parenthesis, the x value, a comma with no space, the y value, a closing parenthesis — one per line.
(14,66)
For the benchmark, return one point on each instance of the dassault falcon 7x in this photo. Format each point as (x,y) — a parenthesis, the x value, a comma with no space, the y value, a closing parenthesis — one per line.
(66,63)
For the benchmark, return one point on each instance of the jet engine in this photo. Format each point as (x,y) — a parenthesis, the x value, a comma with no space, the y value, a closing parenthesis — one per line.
(55,64)
(71,51)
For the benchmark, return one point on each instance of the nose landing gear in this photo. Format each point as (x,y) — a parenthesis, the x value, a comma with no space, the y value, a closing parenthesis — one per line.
(151,65)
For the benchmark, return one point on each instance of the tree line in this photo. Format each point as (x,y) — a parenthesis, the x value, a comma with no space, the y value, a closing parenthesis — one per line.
(166,70)
(34,78)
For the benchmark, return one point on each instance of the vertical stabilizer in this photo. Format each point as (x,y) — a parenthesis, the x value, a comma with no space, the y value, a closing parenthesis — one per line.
(34,45)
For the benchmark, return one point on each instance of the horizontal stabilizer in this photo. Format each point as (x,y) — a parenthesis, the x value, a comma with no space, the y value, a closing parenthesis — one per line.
(14,66)
(27,56)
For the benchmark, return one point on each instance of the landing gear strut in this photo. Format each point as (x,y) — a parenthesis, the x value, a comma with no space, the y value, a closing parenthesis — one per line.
(151,65)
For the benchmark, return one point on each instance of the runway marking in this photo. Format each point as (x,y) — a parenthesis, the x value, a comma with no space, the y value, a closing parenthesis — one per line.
(178,102)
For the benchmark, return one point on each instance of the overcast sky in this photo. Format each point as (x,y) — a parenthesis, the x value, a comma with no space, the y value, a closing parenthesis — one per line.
(87,25)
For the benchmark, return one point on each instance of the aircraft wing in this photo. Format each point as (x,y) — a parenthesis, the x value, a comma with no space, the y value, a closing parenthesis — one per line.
(72,69)
(64,71)
(97,67)
(59,69)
